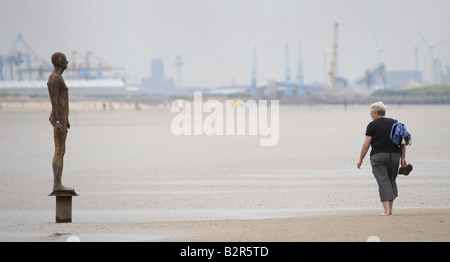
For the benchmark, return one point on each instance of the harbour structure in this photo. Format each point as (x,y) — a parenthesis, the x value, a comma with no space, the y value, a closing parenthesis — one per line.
(253,90)
(333,66)
(300,80)
(287,80)
(157,83)
(178,63)
(22,71)
(13,60)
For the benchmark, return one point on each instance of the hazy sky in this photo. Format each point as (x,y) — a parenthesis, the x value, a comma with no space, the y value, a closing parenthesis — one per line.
(216,37)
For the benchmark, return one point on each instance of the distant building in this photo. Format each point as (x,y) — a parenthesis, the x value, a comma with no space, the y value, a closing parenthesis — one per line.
(157,83)
(441,74)
(447,75)
(395,79)
(438,73)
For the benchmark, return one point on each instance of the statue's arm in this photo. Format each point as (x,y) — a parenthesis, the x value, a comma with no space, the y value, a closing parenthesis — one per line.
(55,85)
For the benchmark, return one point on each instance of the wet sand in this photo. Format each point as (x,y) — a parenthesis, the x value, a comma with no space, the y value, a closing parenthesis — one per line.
(139,182)
(415,225)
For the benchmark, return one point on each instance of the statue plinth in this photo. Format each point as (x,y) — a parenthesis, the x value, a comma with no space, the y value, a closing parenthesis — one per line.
(63,205)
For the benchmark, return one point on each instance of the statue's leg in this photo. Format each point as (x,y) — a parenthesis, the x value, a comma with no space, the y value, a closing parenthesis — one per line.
(58,159)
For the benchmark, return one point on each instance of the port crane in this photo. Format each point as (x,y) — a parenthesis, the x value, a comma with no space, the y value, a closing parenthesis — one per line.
(334,56)
(14,59)
(20,61)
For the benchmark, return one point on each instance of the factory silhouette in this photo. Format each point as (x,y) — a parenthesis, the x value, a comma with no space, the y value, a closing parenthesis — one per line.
(92,76)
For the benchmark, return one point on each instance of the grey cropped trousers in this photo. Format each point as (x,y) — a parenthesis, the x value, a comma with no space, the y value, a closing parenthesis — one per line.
(385,169)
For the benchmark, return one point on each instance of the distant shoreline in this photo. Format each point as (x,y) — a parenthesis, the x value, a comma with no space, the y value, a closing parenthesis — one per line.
(112,104)
(329,98)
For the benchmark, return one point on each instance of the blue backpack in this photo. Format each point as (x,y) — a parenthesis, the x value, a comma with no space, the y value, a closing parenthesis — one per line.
(399,135)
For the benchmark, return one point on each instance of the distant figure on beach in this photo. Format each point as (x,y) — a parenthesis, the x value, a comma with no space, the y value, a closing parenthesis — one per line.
(59,118)
(385,156)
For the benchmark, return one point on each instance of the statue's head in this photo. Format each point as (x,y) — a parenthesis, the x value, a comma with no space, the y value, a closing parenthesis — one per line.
(59,60)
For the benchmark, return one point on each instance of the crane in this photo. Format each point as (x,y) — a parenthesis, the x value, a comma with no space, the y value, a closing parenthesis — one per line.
(300,66)
(288,91)
(253,87)
(334,57)
(375,78)
(90,63)
(13,60)
(16,58)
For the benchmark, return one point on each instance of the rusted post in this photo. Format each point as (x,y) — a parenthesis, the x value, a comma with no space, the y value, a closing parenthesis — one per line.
(63,206)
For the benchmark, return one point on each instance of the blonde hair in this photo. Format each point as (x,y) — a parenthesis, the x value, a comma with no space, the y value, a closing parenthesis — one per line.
(379,108)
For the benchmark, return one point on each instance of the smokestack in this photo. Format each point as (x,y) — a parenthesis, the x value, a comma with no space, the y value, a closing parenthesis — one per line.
(416,53)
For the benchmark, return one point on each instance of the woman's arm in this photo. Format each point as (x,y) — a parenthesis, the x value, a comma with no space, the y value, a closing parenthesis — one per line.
(403,158)
(364,150)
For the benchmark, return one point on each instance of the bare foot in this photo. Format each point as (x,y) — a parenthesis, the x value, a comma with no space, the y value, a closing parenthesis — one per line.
(63,188)
(385,214)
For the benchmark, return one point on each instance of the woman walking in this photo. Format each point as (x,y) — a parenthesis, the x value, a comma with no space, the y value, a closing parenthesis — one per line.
(385,156)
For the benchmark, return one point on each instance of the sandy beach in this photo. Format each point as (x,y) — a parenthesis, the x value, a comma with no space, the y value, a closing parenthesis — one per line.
(416,225)
(139,182)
